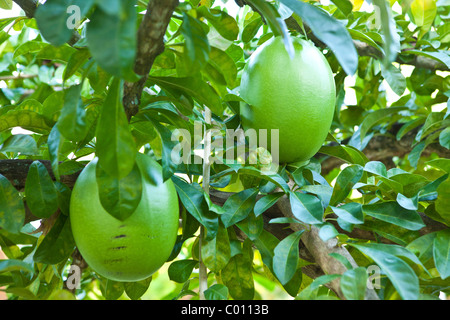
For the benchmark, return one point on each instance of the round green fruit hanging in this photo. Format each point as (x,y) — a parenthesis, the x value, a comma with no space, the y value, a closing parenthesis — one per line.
(295,95)
(132,249)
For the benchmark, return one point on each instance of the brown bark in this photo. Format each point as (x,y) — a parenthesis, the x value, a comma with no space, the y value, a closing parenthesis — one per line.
(150,44)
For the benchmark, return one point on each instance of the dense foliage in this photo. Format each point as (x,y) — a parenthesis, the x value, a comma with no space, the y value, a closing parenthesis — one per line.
(376,195)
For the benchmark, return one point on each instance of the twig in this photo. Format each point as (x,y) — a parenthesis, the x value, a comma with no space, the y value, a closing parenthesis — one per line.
(203,272)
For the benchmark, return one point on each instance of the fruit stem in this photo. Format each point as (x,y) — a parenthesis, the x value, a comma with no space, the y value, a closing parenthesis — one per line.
(203,272)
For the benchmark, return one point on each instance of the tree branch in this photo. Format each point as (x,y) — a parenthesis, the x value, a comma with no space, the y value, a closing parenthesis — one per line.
(150,44)
(384,147)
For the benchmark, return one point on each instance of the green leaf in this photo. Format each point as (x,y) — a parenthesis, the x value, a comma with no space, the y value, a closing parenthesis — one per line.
(252,226)
(377,116)
(394,78)
(194,201)
(443,200)
(345,183)
(119,196)
(238,206)
(327,231)
(112,40)
(6,4)
(266,202)
(392,212)
(20,143)
(444,138)
(408,203)
(26,119)
(376,167)
(15,265)
(29,47)
(180,270)
(398,271)
(306,208)
(274,178)
(216,292)
(135,290)
(391,38)
(353,283)
(169,164)
(251,29)
(441,252)
(115,145)
(76,60)
(221,21)
(216,252)
(424,12)
(323,192)
(286,257)
(52,18)
(193,87)
(12,209)
(58,244)
(196,42)
(237,274)
(270,14)
(111,290)
(330,31)
(40,191)
(310,292)
(440,56)
(55,142)
(72,121)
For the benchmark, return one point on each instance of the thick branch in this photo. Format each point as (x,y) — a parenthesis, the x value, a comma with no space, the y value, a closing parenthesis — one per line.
(28,6)
(384,147)
(150,44)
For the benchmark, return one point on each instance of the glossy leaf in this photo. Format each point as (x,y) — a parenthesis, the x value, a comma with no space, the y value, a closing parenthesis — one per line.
(222,22)
(443,199)
(115,145)
(441,253)
(216,252)
(12,209)
(194,201)
(196,42)
(40,191)
(180,270)
(286,257)
(353,283)
(350,212)
(119,196)
(54,16)
(328,30)
(137,289)
(20,143)
(394,78)
(266,202)
(399,272)
(345,183)
(72,121)
(392,212)
(112,40)
(193,87)
(237,274)
(238,206)
(58,244)
(391,38)
(216,292)
(306,208)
